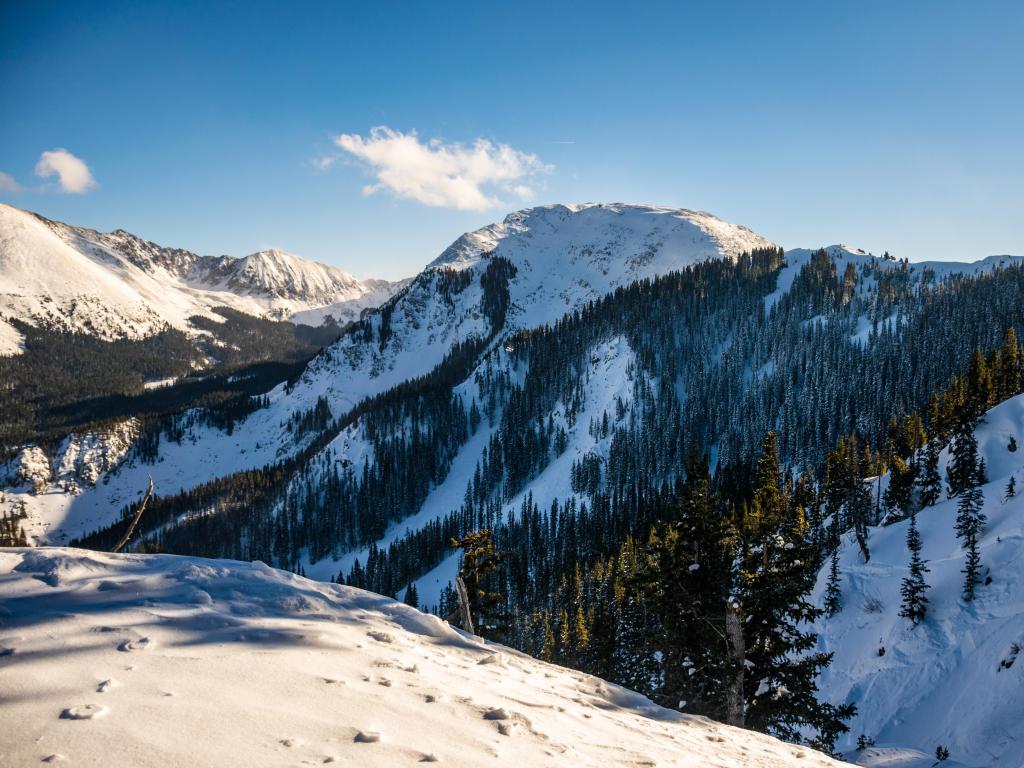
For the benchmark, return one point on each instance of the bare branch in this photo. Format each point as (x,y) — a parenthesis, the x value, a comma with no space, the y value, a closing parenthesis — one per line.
(135,520)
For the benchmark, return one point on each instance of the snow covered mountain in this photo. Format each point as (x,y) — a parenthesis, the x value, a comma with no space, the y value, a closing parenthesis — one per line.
(954,680)
(563,257)
(128,660)
(118,285)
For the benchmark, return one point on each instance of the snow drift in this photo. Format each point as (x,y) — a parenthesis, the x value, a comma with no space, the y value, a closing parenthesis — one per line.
(139,660)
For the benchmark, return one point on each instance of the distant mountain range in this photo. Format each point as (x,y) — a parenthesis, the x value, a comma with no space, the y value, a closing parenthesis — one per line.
(117,285)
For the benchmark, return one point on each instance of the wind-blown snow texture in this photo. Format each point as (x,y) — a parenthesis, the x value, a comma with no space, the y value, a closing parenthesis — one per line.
(139,660)
(117,285)
(954,680)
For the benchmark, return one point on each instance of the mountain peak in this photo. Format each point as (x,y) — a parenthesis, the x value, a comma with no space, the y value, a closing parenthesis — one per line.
(632,233)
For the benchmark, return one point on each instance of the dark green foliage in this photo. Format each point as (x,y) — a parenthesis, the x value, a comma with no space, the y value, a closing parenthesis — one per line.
(963,471)
(929,480)
(64,382)
(970,522)
(11,532)
(914,603)
(777,574)
(686,579)
(833,592)
(496,296)
(412,596)
(480,561)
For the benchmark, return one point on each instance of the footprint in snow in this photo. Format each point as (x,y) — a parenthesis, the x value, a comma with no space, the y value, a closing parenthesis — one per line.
(139,644)
(496,713)
(380,637)
(56,757)
(429,758)
(367,737)
(106,685)
(84,712)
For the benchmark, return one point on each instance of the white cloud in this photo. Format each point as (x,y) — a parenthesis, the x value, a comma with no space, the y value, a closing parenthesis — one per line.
(73,174)
(440,174)
(8,184)
(325,162)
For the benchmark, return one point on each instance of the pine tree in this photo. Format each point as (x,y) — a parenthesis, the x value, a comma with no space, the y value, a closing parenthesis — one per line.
(480,560)
(833,592)
(970,521)
(914,604)
(685,580)
(1009,383)
(965,476)
(1011,487)
(898,494)
(776,575)
(930,482)
(962,472)
(412,596)
(979,389)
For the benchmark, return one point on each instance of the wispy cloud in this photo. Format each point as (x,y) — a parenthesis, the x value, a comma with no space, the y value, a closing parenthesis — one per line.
(8,184)
(442,174)
(72,173)
(324,162)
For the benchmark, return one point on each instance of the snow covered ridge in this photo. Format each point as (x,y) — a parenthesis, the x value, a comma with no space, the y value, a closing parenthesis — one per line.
(564,256)
(138,660)
(118,285)
(957,679)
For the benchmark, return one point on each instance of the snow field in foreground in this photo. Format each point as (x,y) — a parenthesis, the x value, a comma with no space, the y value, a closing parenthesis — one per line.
(159,660)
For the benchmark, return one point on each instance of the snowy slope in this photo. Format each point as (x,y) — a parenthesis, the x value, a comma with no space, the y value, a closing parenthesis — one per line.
(128,660)
(564,256)
(118,285)
(954,679)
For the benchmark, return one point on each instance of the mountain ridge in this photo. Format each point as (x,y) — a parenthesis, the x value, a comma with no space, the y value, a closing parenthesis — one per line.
(118,285)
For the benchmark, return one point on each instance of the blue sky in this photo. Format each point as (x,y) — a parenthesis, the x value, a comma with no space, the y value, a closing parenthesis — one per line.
(214,126)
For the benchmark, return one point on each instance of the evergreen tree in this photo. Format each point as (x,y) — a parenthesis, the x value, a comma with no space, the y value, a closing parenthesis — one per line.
(686,580)
(966,473)
(914,604)
(930,482)
(1009,378)
(963,470)
(898,494)
(833,592)
(776,576)
(480,560)
(980,388)
(1011,487)
(412,596)
(970,521)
